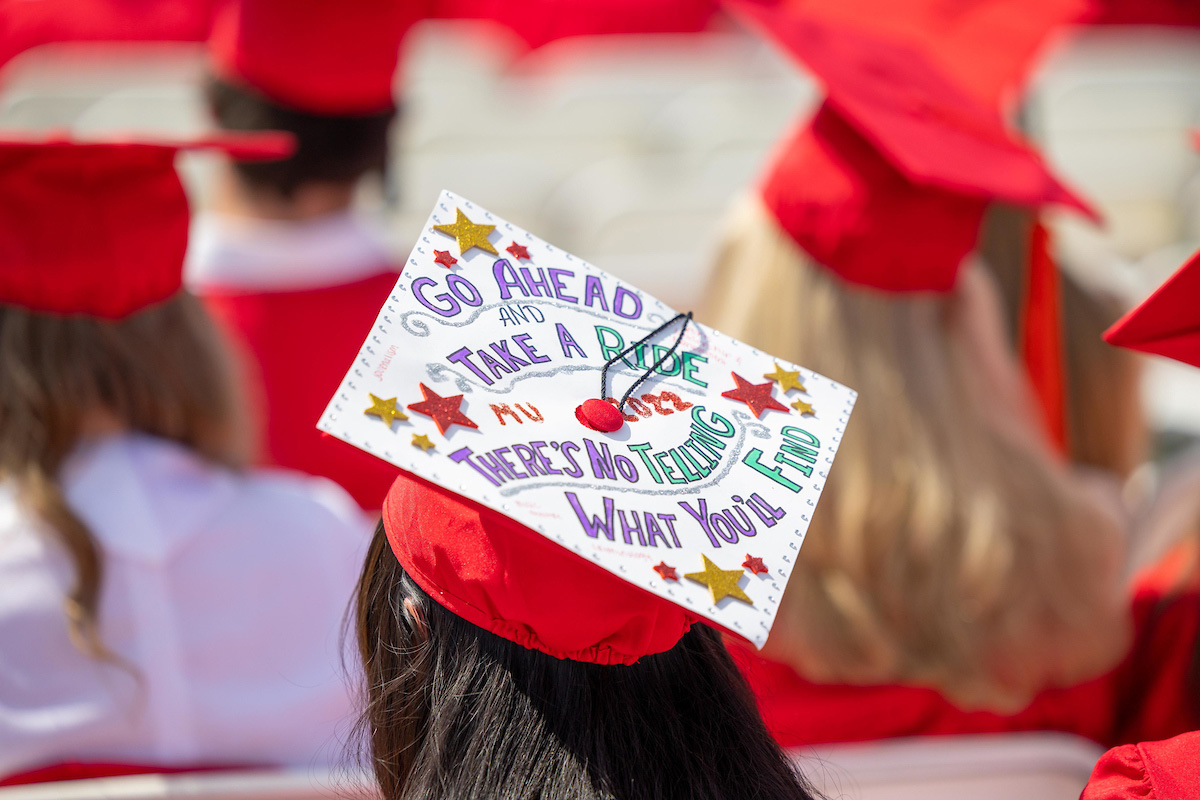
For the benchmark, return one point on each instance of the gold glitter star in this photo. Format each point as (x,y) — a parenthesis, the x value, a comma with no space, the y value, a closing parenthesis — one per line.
(468,234)
(721,582)
(805,409)
(422,441)
(786,380)
(385,409)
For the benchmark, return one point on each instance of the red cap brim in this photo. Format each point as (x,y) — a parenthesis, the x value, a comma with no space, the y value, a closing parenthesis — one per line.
(240,145)
(1167,323)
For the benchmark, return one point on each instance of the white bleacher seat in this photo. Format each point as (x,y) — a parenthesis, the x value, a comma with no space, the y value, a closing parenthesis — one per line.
(233,785)
(1029,766)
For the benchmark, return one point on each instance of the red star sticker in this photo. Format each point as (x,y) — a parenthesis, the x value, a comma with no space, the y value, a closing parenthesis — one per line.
(665,572)
(755,565)
(444,258)
(756,395)
(518,251)
(443,410)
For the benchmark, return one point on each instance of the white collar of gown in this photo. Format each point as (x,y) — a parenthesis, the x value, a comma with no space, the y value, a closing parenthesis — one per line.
(245,254)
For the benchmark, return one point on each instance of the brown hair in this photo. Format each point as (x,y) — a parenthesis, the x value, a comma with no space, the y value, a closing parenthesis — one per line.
(1106,426)
(454,711)
(949,548)
(1106,423)
(160,371)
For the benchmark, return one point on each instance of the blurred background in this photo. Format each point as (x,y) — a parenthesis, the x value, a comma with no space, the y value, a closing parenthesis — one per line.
(626,150)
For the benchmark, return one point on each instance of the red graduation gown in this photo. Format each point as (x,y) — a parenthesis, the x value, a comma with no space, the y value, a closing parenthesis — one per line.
(1145,697)
(294,348)
(1167,770)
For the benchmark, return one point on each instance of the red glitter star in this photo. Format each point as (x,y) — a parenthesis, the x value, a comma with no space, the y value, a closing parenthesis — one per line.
(444,258)
(665,572)
(443,410)
(519,251)
(756,395)
(755,565)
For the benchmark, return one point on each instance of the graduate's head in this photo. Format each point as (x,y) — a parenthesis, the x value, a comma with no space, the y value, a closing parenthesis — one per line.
(951,548)
(96,333)
(499,663)
(321,71)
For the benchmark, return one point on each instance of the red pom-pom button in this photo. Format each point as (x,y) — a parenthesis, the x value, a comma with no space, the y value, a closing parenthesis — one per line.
(599,415)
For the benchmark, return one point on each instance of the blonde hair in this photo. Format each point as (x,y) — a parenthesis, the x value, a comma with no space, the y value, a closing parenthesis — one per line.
(161,371)
(948,550)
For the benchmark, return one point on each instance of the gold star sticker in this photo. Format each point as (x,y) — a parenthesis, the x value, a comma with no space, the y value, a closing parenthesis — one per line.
(805,409)
(721,582)
(468,234)
(385,409)
(786,380)
(422,441)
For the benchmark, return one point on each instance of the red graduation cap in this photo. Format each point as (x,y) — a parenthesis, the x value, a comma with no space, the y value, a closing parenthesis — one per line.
(836,196)
(318,56)
(99,227)
(889,183)
(507,579)
(924,124)
(987,45)
(1167,323)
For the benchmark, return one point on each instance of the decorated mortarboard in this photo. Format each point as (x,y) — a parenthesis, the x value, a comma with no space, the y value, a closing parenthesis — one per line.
(100,227)
(318,56)
(586,471)
(1167,323)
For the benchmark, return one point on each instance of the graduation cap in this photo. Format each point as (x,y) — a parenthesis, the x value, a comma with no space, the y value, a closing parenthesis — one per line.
(100,227)
(317,56)
(888,183)
(987,45)
(1167,323)
(526,508)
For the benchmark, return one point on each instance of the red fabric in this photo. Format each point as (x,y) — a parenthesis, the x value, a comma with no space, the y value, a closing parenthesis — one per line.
(505,578)
(97,228)
(1167,323)
(25,24)
(1167,770)
(1145,12)
(799,712)
(987,45)
(539,22)
(1041,337)
(318,56)
(1146,696)
(854,213)
(294,349)
(1155,687)
(77,771)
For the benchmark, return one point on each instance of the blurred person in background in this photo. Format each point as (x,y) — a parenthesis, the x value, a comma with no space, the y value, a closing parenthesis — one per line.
(159,605)
(294,273)
(956,570)
(1166,324)
(500,664)
(292,270)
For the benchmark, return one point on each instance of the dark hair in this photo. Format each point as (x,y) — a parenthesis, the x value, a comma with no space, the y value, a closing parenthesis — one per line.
(453,711)
(330,148)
